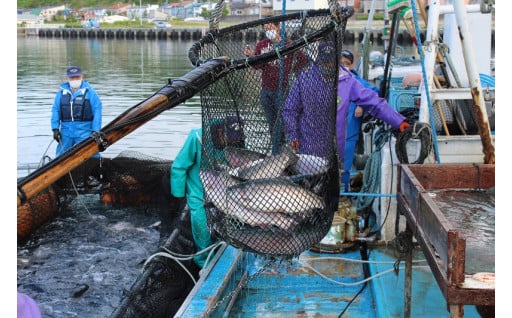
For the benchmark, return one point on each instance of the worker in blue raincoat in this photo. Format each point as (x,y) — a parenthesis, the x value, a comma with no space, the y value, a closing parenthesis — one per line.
(185,168)
(76,111)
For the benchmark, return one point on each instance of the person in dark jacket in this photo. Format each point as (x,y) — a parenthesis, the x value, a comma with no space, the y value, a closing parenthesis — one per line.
(76,111)
(275,74)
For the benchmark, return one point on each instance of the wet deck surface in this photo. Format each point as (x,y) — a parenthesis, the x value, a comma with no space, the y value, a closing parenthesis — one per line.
(311,285)
(317,285)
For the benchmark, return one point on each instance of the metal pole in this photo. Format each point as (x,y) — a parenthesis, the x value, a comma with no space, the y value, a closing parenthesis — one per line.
(140,12)
(474,81)
(366,41)
(386,25)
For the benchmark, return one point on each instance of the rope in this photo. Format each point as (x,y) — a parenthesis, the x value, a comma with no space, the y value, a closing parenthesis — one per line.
(371,175)
(216,15)
(356,283)
(421,131)
(381,137)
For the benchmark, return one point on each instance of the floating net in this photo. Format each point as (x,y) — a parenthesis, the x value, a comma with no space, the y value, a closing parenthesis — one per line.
(261,194)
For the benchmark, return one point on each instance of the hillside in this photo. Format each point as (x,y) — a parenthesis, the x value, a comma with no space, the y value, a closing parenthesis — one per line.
(77,4)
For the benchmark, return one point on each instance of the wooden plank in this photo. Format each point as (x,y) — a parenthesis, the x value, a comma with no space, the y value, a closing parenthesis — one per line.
(454,176)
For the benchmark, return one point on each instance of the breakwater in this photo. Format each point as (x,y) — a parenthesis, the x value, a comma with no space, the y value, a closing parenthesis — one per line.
(351,35)
(173,34)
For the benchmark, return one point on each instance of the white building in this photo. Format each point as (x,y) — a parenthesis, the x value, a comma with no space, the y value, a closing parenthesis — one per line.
(299,5)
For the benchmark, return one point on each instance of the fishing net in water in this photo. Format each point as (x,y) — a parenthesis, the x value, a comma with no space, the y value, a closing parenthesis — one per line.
(262,195)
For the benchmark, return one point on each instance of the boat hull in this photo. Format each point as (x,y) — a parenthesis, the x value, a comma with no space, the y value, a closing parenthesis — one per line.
(294,290)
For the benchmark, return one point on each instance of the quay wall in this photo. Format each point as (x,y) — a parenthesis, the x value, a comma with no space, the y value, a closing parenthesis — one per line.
(173,34)
(351,34)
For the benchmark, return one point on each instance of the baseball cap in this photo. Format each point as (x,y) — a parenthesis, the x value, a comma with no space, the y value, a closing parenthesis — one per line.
(73,71)
(348,54)
(326,52)
(234,128)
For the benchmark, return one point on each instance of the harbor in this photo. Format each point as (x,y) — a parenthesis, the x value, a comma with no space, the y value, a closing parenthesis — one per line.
(268,258)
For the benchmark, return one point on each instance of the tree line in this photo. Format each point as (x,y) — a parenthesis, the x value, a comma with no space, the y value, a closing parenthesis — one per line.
(77,4)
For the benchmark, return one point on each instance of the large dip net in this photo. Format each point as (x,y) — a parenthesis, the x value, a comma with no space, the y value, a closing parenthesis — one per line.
(261,194)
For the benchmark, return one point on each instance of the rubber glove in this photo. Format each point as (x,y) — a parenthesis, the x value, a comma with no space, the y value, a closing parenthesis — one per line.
(177,203)
(295,144)
(56,135)
(403,126)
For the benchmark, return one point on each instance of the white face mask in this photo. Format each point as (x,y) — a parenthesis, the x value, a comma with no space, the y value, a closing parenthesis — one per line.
(271,34)
(75,83)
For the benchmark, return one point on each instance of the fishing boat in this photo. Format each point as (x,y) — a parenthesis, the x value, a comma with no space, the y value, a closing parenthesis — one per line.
(405,254)
(419,262)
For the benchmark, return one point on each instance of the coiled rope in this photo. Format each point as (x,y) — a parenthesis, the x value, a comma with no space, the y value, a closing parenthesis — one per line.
(372,171)
(418,130)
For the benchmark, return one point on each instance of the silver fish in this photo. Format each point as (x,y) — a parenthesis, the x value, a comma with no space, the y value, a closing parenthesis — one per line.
(239,157)
(276,195)
(216,186)
(271,166)
(279,246)
(310,165)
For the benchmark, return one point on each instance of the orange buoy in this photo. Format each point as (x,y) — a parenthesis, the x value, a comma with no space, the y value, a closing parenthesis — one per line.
(36,211)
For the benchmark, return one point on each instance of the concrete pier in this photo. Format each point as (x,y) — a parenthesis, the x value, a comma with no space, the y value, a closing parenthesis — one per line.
(351,35)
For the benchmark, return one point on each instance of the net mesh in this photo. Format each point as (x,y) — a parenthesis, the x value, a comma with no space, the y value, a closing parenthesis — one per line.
(131,178)
(261,195)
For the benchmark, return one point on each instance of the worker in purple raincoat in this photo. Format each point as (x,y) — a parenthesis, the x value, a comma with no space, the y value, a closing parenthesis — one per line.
(308,113)
(351,90)
(355,116)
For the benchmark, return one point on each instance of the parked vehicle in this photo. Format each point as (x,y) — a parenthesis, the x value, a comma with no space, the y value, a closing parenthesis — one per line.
(162,24)
(194,19)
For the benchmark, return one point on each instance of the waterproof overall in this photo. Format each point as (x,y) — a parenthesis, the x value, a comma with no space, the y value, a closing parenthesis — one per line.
(185,181)
(353,130)
(76,114)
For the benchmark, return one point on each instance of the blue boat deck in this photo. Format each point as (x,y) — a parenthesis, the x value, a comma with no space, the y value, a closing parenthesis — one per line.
(240,284)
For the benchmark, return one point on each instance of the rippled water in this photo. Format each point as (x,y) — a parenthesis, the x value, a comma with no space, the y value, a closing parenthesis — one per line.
(68,264)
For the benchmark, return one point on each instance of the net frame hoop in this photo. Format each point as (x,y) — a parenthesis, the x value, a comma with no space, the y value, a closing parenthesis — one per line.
(195,50)
(337,12)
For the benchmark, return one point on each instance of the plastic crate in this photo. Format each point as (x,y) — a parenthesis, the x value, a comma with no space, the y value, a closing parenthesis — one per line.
(400,98)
